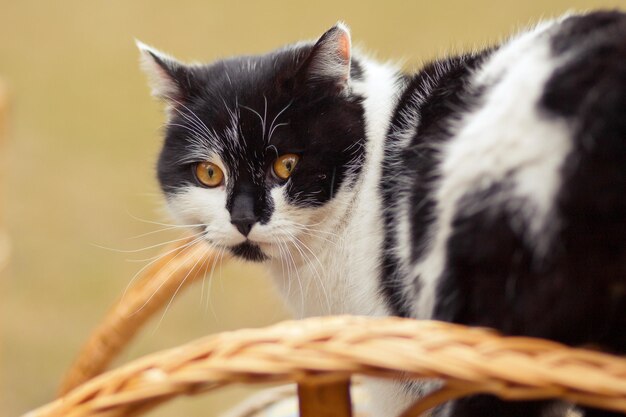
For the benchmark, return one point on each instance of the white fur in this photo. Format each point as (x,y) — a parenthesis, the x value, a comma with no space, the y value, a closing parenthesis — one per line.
(506,132)
(195,205)
(508,135)
(344,276)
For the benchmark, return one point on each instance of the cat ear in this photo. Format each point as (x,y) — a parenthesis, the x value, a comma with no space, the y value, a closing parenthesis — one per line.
(329,60)
(169,79)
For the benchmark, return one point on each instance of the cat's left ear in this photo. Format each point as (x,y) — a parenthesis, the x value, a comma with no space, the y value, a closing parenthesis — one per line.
(170,79)
(328,62)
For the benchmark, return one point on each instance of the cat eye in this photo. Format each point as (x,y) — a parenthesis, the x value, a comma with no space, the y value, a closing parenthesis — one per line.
(209,174)
(285,164)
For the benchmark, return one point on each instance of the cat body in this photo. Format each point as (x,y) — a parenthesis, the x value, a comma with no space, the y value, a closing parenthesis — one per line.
(531,239)
(485,189)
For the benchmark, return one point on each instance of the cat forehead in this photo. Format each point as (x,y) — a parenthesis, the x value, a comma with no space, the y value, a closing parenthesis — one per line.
(248,73)
(235,113)
(244,89)
(232,123)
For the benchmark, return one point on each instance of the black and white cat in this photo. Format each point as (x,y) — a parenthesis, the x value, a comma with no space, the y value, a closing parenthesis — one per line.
(486,189)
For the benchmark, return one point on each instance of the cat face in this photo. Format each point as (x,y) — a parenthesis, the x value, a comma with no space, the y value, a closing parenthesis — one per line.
(257,148)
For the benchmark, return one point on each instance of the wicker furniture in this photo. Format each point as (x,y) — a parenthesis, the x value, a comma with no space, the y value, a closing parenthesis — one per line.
(321,355)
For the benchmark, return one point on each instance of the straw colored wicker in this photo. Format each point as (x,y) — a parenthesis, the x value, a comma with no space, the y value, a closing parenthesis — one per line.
(176,268)
(322,353)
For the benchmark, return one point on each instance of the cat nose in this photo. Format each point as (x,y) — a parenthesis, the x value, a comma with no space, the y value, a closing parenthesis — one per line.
(242,213)
(243,224)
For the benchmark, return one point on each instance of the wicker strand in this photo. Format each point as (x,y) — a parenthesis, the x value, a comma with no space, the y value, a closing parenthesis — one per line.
(332,348)
(178,267)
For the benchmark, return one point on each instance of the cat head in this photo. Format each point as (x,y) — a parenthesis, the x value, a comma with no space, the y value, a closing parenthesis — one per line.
(258,149)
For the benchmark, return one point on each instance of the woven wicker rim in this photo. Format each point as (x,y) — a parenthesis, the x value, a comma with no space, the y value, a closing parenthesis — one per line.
(321,350)
(333,348)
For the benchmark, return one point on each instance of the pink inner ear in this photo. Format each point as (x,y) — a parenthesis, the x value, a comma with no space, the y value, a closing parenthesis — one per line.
(344,46)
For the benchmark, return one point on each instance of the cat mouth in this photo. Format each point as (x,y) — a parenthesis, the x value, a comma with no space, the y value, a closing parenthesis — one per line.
(249,251)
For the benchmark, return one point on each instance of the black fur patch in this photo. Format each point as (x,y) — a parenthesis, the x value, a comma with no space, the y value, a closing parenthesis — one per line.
(491,406)
(325,129)
(576,294)
(356,71)
(589,90)
(250,110)
(438,93)
(575,31)
(249,251)
(491,278)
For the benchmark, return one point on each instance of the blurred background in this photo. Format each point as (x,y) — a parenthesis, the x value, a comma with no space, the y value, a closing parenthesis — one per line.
(77,169)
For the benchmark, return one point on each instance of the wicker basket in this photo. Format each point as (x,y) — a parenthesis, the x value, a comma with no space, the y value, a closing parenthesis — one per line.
(321,355)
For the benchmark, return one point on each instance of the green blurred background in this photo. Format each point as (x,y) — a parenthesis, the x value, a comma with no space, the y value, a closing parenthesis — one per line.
(84,134)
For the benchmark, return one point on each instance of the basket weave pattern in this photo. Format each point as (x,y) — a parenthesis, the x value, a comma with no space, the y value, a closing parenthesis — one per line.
(327,351)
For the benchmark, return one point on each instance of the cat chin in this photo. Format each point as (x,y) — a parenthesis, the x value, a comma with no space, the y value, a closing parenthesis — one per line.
(249,251)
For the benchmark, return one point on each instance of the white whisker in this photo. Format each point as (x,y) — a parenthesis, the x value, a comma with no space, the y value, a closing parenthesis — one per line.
(201,123)
(218,260)
(191,270)
(276,118)
(182,226)
(297,242)
(157,245)
(165,229)
(181,249)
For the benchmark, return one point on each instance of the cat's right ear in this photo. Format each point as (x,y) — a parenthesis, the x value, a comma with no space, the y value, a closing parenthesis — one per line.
(329,60)
(169,79)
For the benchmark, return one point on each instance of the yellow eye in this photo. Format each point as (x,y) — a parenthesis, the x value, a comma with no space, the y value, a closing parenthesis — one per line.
(209,174)
(285,164)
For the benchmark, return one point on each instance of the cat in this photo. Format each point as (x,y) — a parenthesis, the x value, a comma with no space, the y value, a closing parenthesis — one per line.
(486,189)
